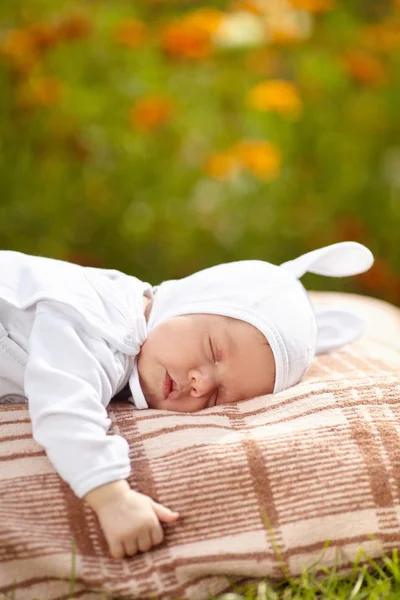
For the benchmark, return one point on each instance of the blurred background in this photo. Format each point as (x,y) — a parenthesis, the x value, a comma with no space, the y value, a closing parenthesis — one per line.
(162,137)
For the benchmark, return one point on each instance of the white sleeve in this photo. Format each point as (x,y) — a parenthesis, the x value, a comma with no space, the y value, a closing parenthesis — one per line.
(69,380)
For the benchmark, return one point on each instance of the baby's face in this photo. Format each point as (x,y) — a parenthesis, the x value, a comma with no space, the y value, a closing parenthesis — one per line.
(193,362)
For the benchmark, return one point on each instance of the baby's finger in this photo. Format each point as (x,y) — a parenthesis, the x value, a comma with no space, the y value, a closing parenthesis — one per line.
(166,515)
(117,549)
(157,534)
(144,541)
(131,547)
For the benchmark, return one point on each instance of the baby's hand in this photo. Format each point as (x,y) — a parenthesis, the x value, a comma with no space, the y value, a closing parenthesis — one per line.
(130,521)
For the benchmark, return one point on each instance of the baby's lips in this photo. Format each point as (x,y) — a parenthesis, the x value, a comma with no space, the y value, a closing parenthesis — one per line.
(167,385)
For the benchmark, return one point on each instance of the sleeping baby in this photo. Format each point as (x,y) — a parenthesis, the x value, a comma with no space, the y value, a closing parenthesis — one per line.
(73,337)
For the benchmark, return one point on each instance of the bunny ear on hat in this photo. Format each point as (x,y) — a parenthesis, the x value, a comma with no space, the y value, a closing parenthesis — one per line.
(338,260)
(335,327)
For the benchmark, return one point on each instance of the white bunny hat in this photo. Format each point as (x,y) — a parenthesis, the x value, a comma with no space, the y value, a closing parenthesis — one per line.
(272,299)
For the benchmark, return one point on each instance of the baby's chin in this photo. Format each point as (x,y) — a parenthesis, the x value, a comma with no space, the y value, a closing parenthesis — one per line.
(151,399)
(152,402)
(145,384)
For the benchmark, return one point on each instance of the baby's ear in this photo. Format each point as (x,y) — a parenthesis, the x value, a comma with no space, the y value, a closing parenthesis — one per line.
(338,260)
(335,328)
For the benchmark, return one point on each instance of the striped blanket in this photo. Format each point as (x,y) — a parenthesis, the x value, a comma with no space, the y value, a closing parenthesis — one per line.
(260,485)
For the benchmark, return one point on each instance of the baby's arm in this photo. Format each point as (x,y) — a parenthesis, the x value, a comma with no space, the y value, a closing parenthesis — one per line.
(69,380)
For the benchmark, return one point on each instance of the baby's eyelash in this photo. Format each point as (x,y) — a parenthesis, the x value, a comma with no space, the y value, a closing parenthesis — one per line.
(216,397)
(212,351)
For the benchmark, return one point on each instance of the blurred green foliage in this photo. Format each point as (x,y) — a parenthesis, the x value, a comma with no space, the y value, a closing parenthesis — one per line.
(120,126)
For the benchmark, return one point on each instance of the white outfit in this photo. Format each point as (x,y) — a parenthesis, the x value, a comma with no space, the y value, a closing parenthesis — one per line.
(82,329)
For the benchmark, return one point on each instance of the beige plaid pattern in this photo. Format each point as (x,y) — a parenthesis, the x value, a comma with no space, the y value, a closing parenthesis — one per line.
(317,462)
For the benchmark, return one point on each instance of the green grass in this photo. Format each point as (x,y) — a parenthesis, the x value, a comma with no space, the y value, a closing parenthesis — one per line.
(367,579)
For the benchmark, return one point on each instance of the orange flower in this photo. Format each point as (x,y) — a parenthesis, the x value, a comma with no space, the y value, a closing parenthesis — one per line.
(275,95)
(221,165)
(205,19)
(364,67)
(383,36)
(74,27)
(131,33)
(312,5)
(151,112)
(41,91)
(180,41)
(43,36)
(18,46)
(261,158)
(191,36)
(23,46)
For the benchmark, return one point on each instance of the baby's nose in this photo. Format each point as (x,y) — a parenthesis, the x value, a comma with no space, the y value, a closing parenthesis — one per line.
(201,382)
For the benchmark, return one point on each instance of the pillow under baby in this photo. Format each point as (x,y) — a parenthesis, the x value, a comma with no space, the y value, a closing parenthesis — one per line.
(319,461)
